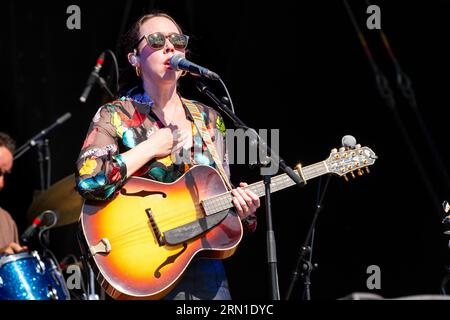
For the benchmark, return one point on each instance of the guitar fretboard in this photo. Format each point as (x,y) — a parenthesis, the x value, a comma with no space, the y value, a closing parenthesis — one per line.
(280,182)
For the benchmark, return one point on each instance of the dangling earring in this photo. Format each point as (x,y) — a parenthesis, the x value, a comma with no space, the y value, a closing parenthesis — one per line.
(183,73)
(138,71)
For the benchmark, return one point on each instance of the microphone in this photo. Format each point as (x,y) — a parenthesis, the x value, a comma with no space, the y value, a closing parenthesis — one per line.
(348,141)
(92,77)
(179,62)
(63,118)
(30,231)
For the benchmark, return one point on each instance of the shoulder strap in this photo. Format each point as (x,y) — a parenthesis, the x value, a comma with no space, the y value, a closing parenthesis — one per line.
(201,127)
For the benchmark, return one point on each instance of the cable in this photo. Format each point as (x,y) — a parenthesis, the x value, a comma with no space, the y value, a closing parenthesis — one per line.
(228,95)
(116,67)
(388,96)
(405,85)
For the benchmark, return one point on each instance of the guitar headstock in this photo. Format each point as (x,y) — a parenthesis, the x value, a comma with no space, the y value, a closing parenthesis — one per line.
(348,160)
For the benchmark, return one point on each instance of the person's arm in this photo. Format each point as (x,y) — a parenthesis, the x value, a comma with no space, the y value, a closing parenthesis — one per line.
(101,168)
(9,229)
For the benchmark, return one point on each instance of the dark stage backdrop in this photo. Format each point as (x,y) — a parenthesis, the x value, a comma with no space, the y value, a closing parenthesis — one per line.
(293,66)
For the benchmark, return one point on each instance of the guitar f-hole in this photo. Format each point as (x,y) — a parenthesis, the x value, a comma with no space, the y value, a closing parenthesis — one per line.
(155,228)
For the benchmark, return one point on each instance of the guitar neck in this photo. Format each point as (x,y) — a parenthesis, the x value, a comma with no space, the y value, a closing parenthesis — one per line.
(280,182)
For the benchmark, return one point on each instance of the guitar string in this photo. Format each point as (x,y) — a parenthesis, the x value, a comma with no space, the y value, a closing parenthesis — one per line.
(161,222)
(214,204)
(222,202)
(164,223)
(136,239)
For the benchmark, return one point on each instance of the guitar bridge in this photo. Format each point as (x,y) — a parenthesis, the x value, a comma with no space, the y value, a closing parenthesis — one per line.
(159,236)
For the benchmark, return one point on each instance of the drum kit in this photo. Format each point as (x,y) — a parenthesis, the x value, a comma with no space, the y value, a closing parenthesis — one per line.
(37,274)
(25,276)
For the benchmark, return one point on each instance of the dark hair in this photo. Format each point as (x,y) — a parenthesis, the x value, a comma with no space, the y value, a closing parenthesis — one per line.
(7,141)
(128,78)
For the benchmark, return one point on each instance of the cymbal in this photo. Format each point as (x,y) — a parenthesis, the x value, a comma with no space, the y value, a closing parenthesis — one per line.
(61,197)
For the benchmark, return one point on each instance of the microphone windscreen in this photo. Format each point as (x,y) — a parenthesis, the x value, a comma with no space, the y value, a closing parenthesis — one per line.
(175,60)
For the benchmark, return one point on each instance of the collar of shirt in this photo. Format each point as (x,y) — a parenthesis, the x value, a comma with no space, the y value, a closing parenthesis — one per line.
(145,102)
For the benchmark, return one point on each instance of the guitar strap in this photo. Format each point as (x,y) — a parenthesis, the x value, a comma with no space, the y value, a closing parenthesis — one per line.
(201,127)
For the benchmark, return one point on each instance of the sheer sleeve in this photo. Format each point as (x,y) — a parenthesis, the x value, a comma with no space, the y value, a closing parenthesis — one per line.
(100,170)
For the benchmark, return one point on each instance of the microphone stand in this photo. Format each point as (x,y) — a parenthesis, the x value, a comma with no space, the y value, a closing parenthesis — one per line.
(39,145)
(103,84)
(39,141)
(48,160)
(270,236)
(306,266)
(44,181)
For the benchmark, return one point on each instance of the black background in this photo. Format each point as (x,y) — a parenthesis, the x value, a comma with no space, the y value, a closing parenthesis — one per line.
(293,66)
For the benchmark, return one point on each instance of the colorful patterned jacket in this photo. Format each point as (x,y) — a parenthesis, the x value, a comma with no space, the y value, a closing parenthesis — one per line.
(121,125)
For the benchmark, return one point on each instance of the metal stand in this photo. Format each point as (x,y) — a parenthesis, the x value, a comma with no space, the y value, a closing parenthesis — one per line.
(271,244)
(90,294)
(304,265)
(43,150)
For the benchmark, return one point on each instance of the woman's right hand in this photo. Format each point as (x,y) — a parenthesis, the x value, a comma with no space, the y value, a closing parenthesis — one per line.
(161,142)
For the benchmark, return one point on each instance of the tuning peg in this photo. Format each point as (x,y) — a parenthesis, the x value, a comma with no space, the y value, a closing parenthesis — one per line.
(334,150)
(360,172)
(358,146)
(353,175)
(367,170)
(341,149)
(345,177)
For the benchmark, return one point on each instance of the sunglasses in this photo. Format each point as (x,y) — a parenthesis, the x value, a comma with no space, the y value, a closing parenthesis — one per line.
(157,40)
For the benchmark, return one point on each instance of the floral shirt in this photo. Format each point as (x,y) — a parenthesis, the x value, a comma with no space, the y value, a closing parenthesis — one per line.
(121,125)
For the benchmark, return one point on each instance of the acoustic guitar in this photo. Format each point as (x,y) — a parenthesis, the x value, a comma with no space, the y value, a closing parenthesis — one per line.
(143,240)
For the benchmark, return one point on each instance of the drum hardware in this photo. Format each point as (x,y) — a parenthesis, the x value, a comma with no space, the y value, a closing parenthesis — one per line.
(52,293)
(40,266)
(33,275)
(91,295)
(63,199)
